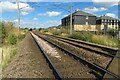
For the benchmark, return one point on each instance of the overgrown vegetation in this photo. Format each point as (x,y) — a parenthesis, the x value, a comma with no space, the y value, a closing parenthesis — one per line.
(105,40)
(10,40)
(8,53)
(98,39)
(112,32)
(85,36)
(108,40)
(0,35)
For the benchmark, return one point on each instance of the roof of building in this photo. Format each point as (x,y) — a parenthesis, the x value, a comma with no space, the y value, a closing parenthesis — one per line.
(80,13)
(106,17)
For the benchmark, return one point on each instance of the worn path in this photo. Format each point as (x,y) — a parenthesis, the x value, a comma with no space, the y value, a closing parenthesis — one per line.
(28,62)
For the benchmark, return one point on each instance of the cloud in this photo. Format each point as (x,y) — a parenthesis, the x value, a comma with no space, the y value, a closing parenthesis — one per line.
(51,23)
(106,3)
(24,13)
(16,20)
(50,0)
(65,15)
(36,24)
(50,14)
(94,9)
(111,15)
(34,18)
(7,6)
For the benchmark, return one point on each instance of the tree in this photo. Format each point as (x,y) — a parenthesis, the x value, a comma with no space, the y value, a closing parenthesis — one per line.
(113,32)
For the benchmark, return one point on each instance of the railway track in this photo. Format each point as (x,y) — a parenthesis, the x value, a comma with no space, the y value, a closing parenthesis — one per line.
(111,52)
(94,69)
(51,65)
(108,51)
(98,59)
(68,67)
(98,49)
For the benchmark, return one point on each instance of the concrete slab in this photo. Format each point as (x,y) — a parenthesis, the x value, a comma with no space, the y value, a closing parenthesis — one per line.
(114,66)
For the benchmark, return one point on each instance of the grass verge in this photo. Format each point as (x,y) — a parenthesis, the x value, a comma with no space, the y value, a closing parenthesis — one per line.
(9,51)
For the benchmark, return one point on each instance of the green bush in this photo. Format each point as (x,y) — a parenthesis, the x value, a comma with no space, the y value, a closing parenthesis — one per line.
(64,31)
(98,39)
(113,32)
(46,30)
(12,39)
(56,32)
(85,36)
(21,37)
(105,40)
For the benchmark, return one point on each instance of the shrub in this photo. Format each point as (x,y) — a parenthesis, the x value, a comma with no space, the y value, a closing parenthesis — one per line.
(104,40)
(56,32)
(46,30)
(64,31)
(8,54)
(12,39)
(85,36)
(113,32)
(98,39)
(21,36)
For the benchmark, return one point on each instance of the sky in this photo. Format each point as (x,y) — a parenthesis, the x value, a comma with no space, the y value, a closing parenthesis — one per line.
(43,14)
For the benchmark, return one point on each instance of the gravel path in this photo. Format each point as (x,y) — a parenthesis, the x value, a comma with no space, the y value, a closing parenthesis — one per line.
(28,62)
(47,48)
(68,67)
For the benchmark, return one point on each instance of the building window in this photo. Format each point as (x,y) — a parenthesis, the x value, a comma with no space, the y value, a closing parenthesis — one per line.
(102,20)
(109,23)
(102,23)
(86,23)
(86,17)
(105,20)
(112,23)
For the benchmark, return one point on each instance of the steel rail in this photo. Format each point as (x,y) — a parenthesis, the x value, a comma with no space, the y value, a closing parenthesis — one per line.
(97,51)
(93,50)
(108,49)
(91,65)
(67,40)
(51,65)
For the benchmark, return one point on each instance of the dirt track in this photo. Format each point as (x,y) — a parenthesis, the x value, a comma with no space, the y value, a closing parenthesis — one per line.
(28,62)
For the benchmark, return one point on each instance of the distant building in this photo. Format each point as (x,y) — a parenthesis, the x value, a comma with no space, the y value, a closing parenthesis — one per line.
(106,22)
(81,21)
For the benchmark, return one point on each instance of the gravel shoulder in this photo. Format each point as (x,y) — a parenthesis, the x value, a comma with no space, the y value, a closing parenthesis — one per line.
(28,62)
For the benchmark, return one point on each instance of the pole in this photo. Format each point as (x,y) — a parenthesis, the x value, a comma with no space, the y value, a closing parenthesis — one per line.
(71,20)
(18,17)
